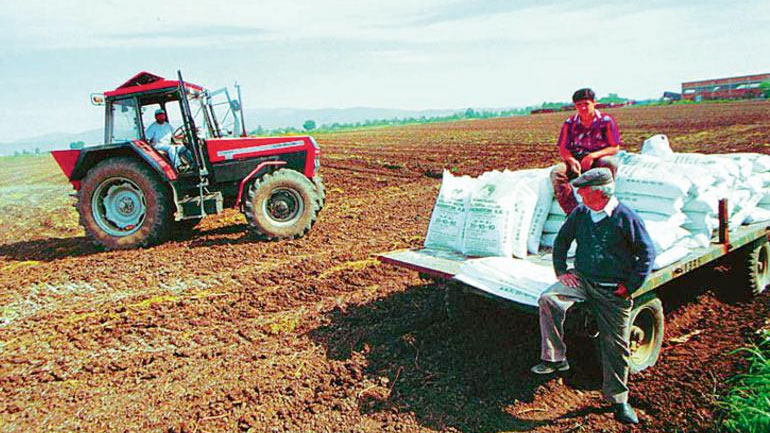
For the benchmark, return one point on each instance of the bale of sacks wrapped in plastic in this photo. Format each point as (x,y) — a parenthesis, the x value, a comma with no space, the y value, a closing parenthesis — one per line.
(514,213)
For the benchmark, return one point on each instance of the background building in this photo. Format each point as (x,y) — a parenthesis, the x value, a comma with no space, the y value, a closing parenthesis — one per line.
(725,88)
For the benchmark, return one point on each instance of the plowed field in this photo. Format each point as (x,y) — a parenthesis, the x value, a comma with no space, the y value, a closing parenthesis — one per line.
(218,331)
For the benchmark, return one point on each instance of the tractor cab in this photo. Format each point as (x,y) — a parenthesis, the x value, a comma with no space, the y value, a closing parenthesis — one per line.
(193,112)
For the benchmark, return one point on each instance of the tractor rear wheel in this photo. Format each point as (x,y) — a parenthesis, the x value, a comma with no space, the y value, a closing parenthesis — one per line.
(282,205)
(320,191)
(123,204)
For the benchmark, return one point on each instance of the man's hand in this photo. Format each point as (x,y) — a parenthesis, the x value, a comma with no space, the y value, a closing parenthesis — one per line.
(622,291)
(587,162)
(569,279)
(574,165)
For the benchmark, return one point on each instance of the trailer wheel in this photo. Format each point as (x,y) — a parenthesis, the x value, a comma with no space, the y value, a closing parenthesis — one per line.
(646,335)
(123,204)
(752,267)
(282,205)
(321,191)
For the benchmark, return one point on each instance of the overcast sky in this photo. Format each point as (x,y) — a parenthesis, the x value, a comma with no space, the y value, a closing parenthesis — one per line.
(346,53)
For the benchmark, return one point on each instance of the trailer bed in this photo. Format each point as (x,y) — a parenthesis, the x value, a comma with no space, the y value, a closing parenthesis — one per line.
(444,264)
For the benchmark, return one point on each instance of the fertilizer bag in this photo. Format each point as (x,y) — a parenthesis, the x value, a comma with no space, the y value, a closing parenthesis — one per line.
(539,181)
(657,145)
(499,215)
(447,221)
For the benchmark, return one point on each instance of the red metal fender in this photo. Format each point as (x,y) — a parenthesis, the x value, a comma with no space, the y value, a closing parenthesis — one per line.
(67,160)
(152,156)
(246,179)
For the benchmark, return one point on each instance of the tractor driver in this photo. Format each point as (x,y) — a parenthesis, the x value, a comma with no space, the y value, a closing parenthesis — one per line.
(159,135)
(587,140)
(614,257)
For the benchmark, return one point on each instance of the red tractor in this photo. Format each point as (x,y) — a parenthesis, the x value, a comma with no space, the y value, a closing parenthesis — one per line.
(131,195)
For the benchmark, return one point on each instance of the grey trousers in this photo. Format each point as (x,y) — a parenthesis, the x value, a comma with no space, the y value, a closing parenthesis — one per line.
(612,313)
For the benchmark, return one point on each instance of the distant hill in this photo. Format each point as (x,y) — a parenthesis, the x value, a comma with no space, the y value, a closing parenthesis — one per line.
(267,118)
(53,141)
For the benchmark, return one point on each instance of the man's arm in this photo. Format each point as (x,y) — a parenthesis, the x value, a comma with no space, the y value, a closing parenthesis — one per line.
(643,250)
(562,243)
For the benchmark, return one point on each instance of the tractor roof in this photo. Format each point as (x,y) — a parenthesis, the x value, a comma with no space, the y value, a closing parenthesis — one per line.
(145,81)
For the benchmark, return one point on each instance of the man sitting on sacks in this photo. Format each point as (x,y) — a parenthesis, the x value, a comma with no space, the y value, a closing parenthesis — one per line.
(614,256)
(587,139)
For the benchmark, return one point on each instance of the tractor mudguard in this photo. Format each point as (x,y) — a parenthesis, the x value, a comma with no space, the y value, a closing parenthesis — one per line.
(258,171)
(75,163)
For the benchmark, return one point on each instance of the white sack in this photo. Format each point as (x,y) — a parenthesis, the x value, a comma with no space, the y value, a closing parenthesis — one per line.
(499,216)
(517,280)
(647,203)
(718,167)
(657,145)
(664,237)
(694,241)
(644,181)
(698,175)
(701,223)
(538,180)
(670,256)
(765,178)
(759,162)
(553,223)
(707,201)
(758,215)
(675,220)
(556,209)
(447,222)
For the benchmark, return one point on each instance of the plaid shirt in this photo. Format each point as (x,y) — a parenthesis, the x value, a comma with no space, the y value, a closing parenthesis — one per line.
(581,141)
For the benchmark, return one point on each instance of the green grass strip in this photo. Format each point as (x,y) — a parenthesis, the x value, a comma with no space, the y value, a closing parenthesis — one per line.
(748,401)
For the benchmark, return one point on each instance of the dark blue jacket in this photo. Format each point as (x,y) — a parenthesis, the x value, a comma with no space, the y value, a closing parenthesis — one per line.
(617,249)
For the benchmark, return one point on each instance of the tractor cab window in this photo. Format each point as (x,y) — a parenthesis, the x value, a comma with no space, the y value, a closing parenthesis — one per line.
(173,114)
(125,123)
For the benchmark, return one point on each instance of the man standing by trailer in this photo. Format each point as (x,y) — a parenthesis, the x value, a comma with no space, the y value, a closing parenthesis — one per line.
(614,256)
(588,139)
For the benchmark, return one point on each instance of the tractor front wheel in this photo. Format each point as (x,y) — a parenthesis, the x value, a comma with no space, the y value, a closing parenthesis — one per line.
(282,205)
(123,204)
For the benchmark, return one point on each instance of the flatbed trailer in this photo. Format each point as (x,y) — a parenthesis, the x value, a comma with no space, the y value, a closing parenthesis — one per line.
(746,247)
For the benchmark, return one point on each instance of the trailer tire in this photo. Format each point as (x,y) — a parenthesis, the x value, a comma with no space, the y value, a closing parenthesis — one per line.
(646,335)
(124,204)
(753,271)
(282,205)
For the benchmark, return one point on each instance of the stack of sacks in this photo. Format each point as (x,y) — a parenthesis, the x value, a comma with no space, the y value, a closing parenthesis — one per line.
(657,193)
(553,223)
(757,184)
(496,214)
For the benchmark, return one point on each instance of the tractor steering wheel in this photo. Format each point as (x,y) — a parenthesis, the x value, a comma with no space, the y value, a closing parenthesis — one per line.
(179,136)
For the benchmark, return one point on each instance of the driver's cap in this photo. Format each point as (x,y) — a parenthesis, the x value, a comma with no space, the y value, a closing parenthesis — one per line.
(159,111)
